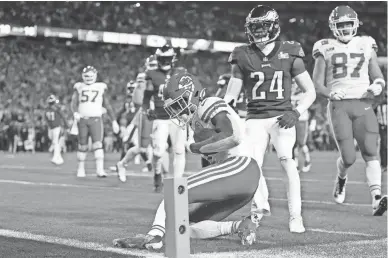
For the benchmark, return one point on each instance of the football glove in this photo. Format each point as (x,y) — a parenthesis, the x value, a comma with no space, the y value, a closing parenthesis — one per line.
(289,119)
(151,114)
(337,94)
(375,88)
(115,127)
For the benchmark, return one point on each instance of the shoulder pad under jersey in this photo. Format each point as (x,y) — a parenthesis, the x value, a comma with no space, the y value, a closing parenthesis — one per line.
(368,41)
(237,53)
(211,106)
(321,46)
(77,85)
(294,48)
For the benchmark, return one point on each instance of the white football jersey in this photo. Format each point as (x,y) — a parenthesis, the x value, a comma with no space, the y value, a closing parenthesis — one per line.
(90,98)
(347,64)
(296,95)
(210,107)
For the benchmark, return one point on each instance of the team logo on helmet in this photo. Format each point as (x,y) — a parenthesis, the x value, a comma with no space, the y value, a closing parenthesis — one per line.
(89,74)
(186,82)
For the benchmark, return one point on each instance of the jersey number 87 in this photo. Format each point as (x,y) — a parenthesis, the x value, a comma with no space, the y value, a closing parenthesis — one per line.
(340,61)
(275,87)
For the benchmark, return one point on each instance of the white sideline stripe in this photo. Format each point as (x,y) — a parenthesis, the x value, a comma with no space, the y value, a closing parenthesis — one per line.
(147,174)
(279,252)
(75,243)
(340,232)
(119,188)
(102,248)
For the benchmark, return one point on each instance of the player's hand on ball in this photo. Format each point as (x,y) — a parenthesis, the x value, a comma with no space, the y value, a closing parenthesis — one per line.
(375,88)
(337,95)
(115,127)
(289,119)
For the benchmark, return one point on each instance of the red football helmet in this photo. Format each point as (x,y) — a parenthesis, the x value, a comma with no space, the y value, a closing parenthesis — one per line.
(165,57)
(89,74)
(262,25)
(151,63)
(182,94)
(343,22)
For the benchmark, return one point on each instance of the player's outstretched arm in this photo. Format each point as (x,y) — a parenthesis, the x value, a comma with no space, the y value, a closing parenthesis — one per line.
(319,77)
(375,75)
(234,86)
(303,80)
(223,140)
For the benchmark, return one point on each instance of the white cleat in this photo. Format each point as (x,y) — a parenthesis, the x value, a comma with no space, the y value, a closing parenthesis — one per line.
(57,161)
(121,172)
(339,190)
(101,174)
(81,173)
(379,205)
(306,167)
(296,225)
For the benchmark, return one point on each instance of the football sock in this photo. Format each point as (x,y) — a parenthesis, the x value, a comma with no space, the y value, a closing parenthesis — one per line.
(260,204)
(179,164)
(157,164)
(306,153)
(81,156)
(373,175)
(341,169)
(210,229)
(293,187)
(159,225)
(99,156)
(57,151)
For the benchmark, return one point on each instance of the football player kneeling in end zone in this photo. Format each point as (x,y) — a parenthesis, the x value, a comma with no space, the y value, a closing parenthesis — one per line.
(218,190)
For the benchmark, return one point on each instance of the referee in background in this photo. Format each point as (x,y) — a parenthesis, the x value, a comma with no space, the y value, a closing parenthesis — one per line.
(381,113)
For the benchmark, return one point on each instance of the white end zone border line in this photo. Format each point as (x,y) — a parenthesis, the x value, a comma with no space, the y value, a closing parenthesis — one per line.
(267,253)
(112,188)
(6,181)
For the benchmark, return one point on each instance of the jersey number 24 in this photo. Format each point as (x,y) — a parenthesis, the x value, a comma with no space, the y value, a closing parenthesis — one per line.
(276,86)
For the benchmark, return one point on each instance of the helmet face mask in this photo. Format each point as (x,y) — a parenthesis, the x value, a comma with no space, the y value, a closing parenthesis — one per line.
(181,98)
(89,75)
(181,109)
(343,22)
(262,25)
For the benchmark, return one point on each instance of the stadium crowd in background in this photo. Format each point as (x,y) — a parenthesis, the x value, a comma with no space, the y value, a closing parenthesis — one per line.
(34,68)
